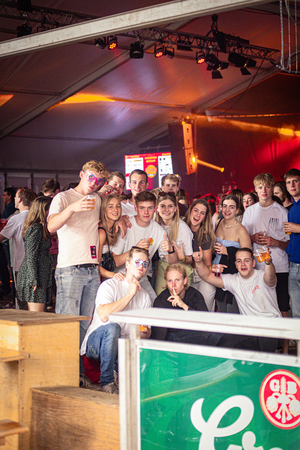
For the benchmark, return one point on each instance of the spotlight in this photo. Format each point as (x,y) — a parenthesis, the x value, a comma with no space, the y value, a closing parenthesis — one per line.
(212,61)
(251,62)
(200,57)
(241,62)
(159,50)
(100,42)
(112,42)
(215,74)
(245,71)
(136,50)
(169,52)
(184,44)
(237,59)
(23,30)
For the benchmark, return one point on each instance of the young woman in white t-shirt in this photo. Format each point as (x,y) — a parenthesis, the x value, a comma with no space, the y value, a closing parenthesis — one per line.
(178,233)
(110,216)
(198,218)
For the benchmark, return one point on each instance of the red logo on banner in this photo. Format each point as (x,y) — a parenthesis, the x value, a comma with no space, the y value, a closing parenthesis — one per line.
(280,399)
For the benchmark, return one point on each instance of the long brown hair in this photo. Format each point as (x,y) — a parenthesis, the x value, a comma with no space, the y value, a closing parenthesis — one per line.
(174,227)
(206,228)
(112,236)
(38,213)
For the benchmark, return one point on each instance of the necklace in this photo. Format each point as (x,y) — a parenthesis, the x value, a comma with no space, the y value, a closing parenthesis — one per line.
(230,226)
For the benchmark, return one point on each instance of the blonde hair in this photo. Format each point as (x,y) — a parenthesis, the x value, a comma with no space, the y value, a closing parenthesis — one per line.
(137,250)
(112,236)
(179,268)
(172,177)
(96,166)
(38,213)
(174,227)
(205,230)
(264,178)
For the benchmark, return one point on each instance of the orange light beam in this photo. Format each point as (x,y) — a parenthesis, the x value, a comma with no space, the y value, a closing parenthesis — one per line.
(212,166)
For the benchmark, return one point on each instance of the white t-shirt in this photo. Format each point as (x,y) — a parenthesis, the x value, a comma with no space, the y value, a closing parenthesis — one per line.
(134,234)
(13,230)
(128,209)
(254,297)
(185,237)
(109,292)
(78,239)
(270,219)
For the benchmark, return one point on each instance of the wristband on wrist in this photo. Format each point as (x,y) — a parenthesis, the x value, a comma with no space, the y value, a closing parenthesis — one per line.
(173,251)
(268,263)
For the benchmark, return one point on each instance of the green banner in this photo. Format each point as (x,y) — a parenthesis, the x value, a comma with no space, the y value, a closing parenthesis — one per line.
(191,402)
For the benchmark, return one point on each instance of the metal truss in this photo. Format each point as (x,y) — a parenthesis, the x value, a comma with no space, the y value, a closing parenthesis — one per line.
(204,43)
(47,18)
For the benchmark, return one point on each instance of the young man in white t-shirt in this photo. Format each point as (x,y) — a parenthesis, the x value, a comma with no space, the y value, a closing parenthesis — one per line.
(144,233)
(138,182)
(268,216)
(114,295)
(254,290)
(74,214)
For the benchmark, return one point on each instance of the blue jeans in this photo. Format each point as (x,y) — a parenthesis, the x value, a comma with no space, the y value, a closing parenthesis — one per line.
(294,288)
(76,292)
(102,345)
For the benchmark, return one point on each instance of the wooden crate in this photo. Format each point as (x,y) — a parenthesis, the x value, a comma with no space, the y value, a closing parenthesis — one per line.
(68,418)
(37,349)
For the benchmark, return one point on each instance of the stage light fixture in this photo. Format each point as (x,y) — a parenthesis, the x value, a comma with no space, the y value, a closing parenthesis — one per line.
(136,50)
(215,74)
(251,62)
(169,52)
(184,44)
(237,59)
(100,42)
(244,71)
(24,30)
(200,57)
(112,42)
(159,50)
(241,62)
(212,61)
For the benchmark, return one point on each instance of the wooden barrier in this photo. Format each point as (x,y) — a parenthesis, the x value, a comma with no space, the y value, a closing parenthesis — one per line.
(9,428)
(68,418)
(36,350)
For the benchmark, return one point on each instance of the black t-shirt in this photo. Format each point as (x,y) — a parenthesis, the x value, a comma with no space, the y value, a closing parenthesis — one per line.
(205,244)
(192,298)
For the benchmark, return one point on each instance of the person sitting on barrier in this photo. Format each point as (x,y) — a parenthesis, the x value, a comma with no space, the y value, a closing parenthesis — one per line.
(178,295)
(114,295)
(254,290)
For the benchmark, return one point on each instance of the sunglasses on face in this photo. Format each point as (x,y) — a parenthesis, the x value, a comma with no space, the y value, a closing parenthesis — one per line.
(139,262)
(90,177)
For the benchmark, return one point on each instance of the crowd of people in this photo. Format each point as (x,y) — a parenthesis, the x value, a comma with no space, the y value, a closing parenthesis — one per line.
(113,252)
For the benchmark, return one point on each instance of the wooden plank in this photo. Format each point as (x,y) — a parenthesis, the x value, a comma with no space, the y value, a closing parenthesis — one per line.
(7,355)
(9,336)
(9,427)
(73,418)
(21,317)
(54,361)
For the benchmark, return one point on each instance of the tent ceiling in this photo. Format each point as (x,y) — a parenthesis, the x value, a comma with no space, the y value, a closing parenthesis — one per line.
(136,98)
